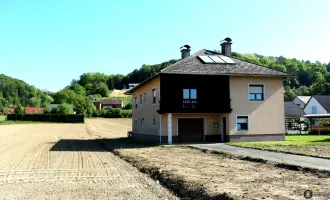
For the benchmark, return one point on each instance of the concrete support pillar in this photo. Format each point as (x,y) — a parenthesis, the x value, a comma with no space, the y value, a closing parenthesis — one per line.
(169,128)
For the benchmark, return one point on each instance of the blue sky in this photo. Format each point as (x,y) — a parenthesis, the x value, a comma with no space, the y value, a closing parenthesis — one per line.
(47,43)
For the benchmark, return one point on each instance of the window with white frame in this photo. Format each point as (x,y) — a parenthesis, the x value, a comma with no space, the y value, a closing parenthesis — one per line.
(140,98)
(154,96)
(153,121)
(242,123)
(135,102)
(145,97)
(256,92)
(141,122)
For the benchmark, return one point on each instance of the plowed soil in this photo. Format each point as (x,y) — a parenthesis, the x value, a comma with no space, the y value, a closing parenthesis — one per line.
(64,161)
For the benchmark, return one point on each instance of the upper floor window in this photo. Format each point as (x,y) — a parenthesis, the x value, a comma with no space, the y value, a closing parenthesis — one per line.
(256,92)
(145,98)
(154,96)
(189,98)
(242,123)
(135,122)
(135,102)
(140,98)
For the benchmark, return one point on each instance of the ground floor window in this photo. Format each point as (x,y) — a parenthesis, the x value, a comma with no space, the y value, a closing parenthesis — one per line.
(242,123)
(135,122)
(141,122)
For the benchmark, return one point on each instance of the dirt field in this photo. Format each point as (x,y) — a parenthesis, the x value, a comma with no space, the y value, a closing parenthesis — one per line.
(63,161)
(219,175)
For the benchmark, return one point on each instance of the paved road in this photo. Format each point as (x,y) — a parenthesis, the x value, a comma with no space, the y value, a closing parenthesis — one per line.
(303,161)
(64,161)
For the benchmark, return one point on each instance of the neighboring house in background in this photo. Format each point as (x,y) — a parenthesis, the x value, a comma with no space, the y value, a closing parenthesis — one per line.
(51,106)
(97,103)
(11,106)
(301,100)
(34,110)
(111,103)
(9,111)
(293,113)
(132,85)
(318,104)
(107,103)
(210,97)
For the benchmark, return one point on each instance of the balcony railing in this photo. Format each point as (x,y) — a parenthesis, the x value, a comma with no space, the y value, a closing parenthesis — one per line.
(194,106)
(189,103)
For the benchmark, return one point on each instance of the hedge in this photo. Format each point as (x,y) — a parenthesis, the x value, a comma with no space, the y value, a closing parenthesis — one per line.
(47,118)
(113,113)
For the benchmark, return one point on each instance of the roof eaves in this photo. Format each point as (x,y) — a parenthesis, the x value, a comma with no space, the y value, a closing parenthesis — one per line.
(129,92)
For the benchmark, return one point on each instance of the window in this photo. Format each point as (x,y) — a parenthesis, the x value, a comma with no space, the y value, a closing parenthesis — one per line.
(141,122)
(314,110)
(135,122)
(140,98)
(153,121)
(256,92)
(153,96)
(189,98)
(145,98)
(242,123)
(135,102)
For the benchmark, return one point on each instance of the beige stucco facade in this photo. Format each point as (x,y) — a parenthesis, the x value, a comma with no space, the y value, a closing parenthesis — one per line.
(146,111)
(265,117)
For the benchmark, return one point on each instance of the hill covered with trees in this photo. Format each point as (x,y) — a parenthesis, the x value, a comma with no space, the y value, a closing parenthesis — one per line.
(15,91)
(308,78)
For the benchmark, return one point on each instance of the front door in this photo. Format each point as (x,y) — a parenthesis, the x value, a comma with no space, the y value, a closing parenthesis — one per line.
(191,130)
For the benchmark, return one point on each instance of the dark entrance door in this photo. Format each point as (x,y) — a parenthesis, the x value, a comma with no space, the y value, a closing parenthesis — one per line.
(190,130)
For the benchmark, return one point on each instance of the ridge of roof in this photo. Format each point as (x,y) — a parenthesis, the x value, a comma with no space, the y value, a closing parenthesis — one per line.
(241,68)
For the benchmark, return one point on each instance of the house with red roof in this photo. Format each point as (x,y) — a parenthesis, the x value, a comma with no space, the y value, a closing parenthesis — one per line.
(9,111)
(34,110)
(103,103)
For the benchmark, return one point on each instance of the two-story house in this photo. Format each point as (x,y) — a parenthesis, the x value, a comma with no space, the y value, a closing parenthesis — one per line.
(210,97)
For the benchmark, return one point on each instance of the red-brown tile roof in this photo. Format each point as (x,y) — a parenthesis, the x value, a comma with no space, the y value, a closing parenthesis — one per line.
(111,101)
(32,110)
(10,111)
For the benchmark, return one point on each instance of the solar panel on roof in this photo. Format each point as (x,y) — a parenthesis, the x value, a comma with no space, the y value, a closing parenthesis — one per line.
(217,59)
(206,59)
(227,59)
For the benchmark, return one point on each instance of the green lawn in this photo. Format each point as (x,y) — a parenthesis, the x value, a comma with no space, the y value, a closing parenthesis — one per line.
(312,145)
(2,118)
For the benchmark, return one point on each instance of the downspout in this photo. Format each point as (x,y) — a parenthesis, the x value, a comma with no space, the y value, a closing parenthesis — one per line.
(160,129)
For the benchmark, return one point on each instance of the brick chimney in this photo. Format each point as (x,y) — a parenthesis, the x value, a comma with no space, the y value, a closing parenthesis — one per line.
(226,46)
(185,51)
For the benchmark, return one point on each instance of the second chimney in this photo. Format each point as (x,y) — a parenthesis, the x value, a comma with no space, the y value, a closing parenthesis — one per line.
(185,53)
(226,47)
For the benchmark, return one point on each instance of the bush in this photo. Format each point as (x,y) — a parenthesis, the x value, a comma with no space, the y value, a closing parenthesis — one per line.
(63,109)
(47,118)
(126,113)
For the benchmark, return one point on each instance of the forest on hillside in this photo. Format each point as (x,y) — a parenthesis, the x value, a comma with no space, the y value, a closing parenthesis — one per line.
(14,91)
(308,78)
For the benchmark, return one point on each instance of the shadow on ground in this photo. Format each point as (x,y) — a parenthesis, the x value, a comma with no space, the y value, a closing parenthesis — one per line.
(98,145)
